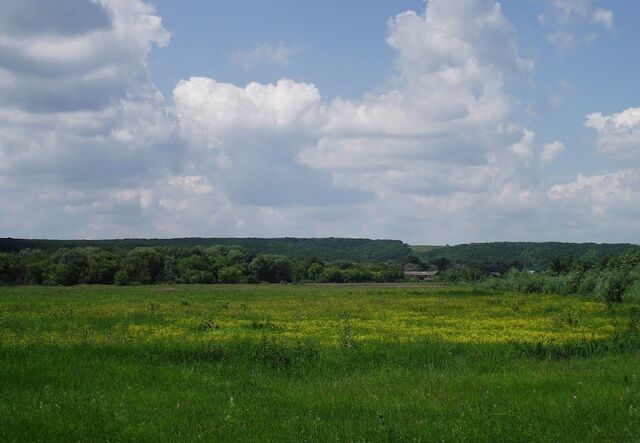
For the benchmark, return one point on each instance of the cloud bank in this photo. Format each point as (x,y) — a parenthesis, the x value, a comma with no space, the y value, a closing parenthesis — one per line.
(90,148)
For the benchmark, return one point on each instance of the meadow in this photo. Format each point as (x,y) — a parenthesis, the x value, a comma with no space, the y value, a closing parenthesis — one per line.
(315,363)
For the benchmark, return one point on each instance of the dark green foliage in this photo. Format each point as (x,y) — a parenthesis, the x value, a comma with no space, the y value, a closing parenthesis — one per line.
(612,285)
(610,279)
(356,249)
(230,274)
(314,271)
(101,266)
(270,268)
(11,268)
(501,256)
(195,269)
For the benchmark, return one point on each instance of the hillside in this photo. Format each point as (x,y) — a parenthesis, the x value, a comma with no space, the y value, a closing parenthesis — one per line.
(528,255)
(354,249)
(421,249)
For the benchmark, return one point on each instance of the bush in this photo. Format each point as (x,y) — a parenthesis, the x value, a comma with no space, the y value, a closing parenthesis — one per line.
(612,286)
(230,274)
(331,275)
(122,278)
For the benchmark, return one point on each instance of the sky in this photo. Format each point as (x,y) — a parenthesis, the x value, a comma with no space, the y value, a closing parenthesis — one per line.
(438,122)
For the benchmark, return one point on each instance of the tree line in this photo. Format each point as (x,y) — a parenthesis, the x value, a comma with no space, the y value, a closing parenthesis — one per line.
(207,265)
(612,279)
(502,256)
(327,249)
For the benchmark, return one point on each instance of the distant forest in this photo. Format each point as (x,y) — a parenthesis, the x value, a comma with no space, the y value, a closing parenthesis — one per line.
(254,260)
(502,256)
(353,249)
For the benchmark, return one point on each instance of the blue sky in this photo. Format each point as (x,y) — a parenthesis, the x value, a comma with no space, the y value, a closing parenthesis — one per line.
(444,121)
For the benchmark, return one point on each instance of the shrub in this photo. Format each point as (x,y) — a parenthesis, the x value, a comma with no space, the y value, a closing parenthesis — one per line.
(230,274)
(122,278)
(612,286)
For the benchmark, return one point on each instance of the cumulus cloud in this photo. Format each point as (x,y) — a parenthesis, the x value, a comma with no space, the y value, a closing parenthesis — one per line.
(250,138)
(551,151)
(78,107)
(600,206)
(89,147)
(273,158)
(444,127)
(79,116)
(605,203)
(88,69)
(618,134)
(27,18)
(264,53)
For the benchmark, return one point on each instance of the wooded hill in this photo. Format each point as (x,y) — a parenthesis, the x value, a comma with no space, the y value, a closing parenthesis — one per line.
(526,255)
(353,249)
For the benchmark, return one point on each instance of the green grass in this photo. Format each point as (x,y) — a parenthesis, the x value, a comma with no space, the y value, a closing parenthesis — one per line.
(314,363)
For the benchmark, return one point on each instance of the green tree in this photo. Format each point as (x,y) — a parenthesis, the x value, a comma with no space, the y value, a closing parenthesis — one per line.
(70,266)
(270,268)
(230,274)
(195,269)
(101,266)
(143,265)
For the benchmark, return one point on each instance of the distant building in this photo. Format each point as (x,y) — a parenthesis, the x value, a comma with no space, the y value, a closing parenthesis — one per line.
(422,275)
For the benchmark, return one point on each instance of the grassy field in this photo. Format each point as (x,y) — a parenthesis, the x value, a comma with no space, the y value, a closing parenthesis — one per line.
(314,363)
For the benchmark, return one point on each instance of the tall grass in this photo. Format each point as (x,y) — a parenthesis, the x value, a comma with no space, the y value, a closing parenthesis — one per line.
(611,286)
(314,363)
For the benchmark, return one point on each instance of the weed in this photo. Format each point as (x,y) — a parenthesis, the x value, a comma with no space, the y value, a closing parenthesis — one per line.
(346,338)
(634,318)
(568,317)
(584,348)
(207,325)
(516,303)
(276,353)
(62,314)
(264,325)
(421,309)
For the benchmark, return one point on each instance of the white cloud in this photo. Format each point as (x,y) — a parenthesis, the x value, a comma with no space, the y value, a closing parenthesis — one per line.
(92,149)
(613,195)
(605,206)
(599,207)
(618,134)
(551,151)
(446,116)
(264,53)
(604,17)
(249,138)
(573,22)
(79,116)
